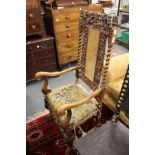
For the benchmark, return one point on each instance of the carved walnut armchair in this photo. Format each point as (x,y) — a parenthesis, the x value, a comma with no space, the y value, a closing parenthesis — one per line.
(71,105)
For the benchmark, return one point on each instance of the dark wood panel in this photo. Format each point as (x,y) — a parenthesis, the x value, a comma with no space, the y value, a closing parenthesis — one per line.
(31,4)
(32,15)
(40,56)
(39,45)
(33,27)
(34,21)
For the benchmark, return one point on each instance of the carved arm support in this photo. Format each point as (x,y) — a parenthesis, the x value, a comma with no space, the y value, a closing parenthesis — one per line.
(65,107)
(45,75)
(39,75)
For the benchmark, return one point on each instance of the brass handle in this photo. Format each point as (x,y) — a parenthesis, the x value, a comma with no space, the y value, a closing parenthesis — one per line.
(67,26)
(38,46)
(68,35)
(69,45)
(67,17)
(31,15)
(33,26)
(57,20)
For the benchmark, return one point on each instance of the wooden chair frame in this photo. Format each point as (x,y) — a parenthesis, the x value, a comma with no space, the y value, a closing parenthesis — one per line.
(121,99)
(106,25)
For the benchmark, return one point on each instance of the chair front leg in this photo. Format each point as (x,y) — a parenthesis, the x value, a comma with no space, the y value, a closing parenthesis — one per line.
(66,122)
(69,139)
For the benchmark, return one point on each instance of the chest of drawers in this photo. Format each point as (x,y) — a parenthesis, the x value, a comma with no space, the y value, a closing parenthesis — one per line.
(66,31)
(34,21)
(40,56)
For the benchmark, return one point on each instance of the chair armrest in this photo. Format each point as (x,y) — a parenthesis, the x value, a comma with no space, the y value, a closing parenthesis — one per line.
(39,75)
(68,106)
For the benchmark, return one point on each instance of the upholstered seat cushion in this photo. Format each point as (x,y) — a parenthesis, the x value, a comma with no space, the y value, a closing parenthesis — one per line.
(69,94)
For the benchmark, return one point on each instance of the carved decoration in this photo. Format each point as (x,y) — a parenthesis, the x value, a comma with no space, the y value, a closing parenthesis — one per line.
(104,24)
(45,89)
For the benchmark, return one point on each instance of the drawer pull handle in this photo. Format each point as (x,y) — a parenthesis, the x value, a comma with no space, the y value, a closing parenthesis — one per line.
(31,15)
(69,45)
(38,46)
(68,35)
(33,26)
(67,26)
(67,17)
(57,20)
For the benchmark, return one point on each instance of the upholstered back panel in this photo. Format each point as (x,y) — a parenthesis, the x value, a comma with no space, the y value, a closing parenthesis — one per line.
(91,54)
(95,42)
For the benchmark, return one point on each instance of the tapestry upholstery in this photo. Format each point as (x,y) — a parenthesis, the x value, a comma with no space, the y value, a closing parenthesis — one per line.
(69,94)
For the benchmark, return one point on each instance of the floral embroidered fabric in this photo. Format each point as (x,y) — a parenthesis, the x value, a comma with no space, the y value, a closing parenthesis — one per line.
(69,94)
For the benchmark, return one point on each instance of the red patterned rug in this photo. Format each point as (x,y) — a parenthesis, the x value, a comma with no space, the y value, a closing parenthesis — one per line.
(43,137)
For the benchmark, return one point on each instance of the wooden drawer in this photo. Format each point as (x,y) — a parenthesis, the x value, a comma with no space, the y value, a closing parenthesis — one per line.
(71,3)
(48,60)
(67,36)
(40,54)
(33,27)
(65,11)
(65,16)
(31,4)
(32,15)
(66,26)
(34,21)
(95,8)
(64,47)
(68,57)
(45,61)
(39,45)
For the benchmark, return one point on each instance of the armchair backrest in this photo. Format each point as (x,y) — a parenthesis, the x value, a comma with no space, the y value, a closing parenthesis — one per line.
(96,38)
